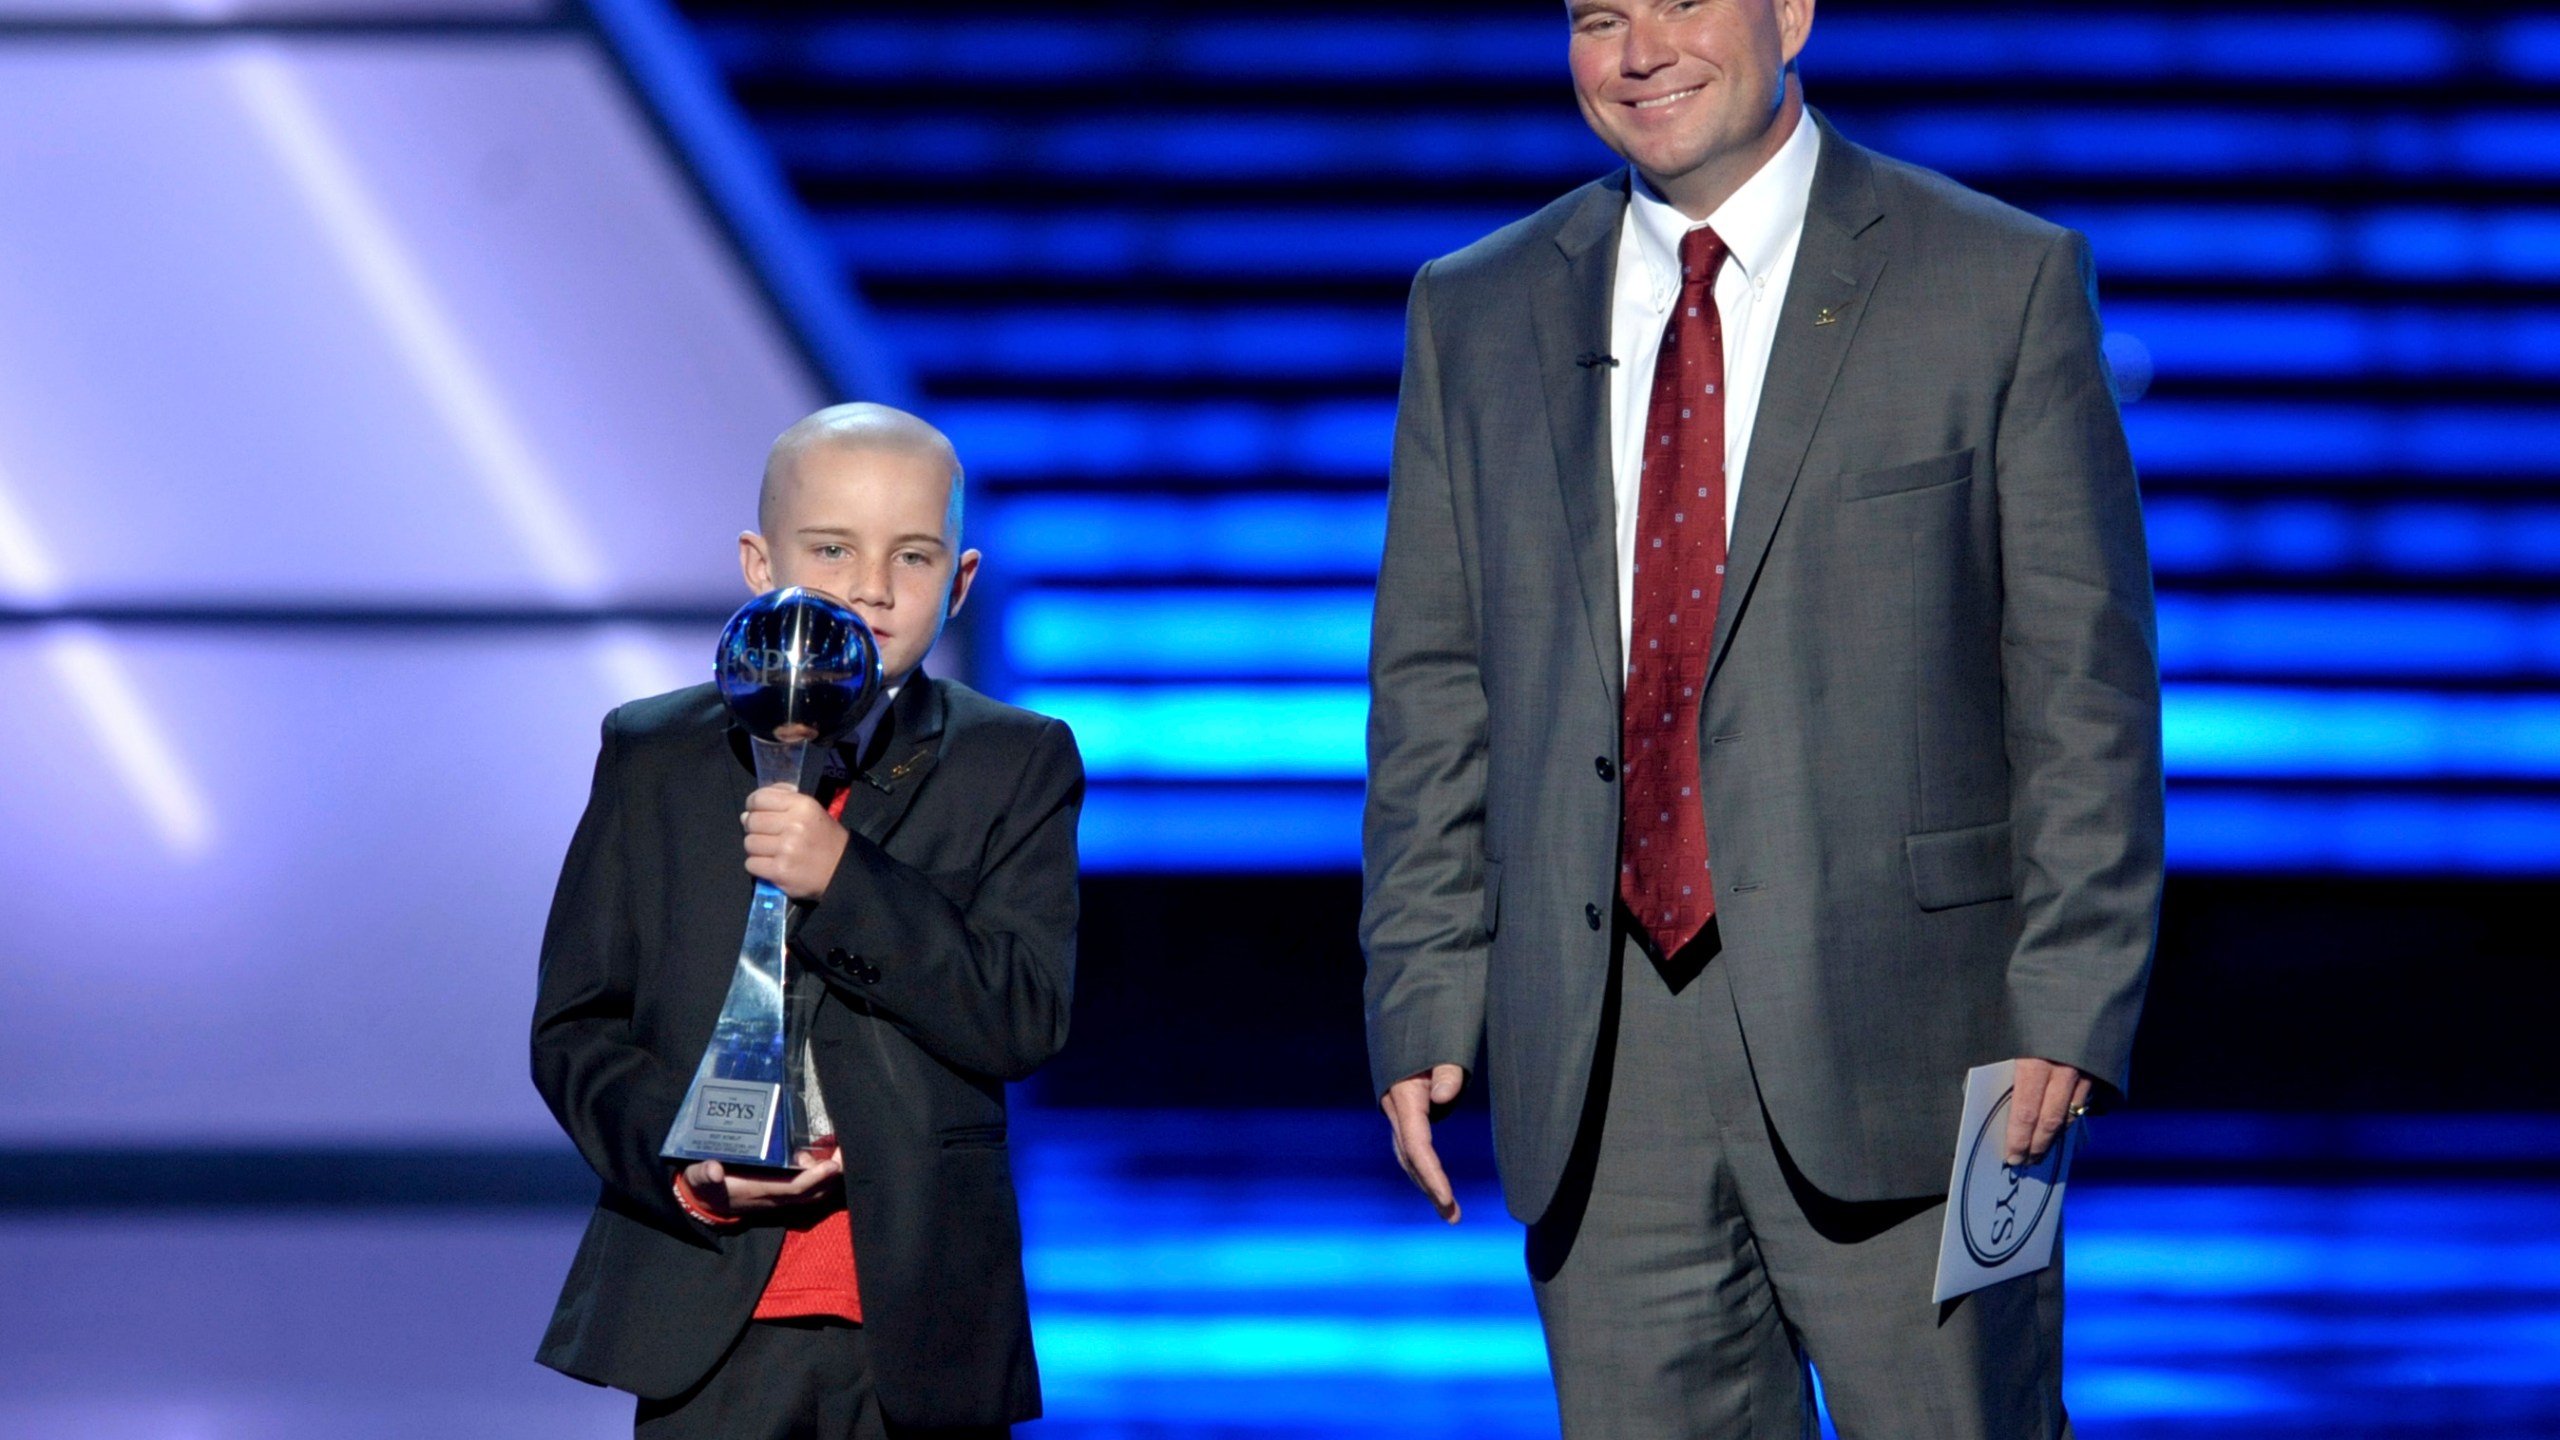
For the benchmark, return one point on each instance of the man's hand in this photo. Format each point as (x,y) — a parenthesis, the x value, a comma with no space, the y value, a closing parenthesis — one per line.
(736,1196)
(791,841)
(1411,1105)
(2047,1096)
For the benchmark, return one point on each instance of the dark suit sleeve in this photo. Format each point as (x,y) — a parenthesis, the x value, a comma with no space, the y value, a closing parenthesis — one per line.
(2080,684)
(1422,841)
(615,1099)
(983,979)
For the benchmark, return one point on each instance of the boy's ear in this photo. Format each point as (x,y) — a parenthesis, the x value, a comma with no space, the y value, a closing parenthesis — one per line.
(963,576)
(755,562)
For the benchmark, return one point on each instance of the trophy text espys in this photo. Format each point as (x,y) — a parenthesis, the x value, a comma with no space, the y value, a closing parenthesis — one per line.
(795,667)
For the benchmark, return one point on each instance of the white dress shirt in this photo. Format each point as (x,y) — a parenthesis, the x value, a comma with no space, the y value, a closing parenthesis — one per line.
(1760,224)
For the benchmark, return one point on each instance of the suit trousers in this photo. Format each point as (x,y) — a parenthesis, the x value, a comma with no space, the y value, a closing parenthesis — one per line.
(1687,1274)
(787,1380)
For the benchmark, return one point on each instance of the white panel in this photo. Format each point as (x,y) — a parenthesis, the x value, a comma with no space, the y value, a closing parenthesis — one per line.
(217,12)
(209,391)
(347,948)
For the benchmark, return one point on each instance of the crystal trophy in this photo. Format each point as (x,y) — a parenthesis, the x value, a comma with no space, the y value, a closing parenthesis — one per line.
(795,668)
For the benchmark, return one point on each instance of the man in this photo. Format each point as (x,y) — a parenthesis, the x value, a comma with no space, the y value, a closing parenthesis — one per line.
(1765,731)
(878,1290)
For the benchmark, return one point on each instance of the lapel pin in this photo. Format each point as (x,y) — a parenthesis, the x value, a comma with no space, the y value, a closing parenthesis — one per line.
(1827,316)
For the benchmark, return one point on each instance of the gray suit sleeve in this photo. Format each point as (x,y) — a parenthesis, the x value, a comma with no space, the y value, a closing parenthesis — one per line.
(2080,682)
(1422,840)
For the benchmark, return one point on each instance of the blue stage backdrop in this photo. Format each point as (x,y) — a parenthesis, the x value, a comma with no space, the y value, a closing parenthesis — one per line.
(381,379)
(1152,277)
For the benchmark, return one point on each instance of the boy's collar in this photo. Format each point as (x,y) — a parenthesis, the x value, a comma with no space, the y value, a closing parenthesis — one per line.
(913,718)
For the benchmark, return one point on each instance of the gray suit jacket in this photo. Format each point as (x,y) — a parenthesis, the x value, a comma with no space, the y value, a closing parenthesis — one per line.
(1931,729)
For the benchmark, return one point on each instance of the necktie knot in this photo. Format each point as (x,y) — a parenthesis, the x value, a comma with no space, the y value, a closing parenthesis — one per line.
(1702,254)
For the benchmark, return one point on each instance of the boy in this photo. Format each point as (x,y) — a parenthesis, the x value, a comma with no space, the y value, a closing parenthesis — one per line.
(878,1291)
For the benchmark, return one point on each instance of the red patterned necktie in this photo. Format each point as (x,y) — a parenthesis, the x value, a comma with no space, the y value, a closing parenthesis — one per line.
(1679,573)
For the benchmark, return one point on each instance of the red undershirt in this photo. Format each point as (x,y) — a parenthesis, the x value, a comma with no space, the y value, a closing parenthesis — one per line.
(814,1274)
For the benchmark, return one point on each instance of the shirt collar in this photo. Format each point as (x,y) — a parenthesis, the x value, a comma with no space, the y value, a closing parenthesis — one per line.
(870,723)
(1756,222)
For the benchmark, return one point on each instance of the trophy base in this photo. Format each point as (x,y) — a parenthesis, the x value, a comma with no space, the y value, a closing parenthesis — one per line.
(736,1122)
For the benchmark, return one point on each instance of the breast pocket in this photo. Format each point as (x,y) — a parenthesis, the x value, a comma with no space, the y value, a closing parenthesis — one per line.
(1929,474)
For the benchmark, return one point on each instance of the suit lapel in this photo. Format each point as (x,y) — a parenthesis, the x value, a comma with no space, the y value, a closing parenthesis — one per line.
(902,752)
(1569,309)
(1837,263)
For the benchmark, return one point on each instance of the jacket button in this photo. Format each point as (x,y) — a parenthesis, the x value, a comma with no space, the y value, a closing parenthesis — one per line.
(1608,769)
(838,960)
(870,973)
(1592,914)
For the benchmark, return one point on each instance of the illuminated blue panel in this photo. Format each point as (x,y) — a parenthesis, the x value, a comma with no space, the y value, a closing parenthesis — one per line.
(2263,240)
(1239,731)
(1030,49)
(2224,830)
(1323,633)
(2309,441)
(1211,1348)
(1212,732)
(2302,536)
(1259,535)
(2454,538)
(1252,343)
(2279,241)
(1272,1258)
(1350,438)
(2403,49)
(2446,243)
(1376,243)
(1304,828)
(2165,240)
(2189,535)
(2253,635)
(2339,340)
(2194,536)
(1390,50)
(2183,340)
(1222,440)
(1222,828)
(2232,731)
(1977,143)
(2369,49)
(1211,144)
(2531,48)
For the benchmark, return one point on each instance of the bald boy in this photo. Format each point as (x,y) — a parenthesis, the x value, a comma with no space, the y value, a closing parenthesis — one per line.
(930,858)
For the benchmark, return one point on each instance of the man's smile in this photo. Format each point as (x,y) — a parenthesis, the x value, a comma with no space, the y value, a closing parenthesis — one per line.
(1658,101)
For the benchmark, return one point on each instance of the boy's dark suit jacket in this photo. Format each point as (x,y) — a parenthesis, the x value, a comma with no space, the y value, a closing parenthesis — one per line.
(947,943)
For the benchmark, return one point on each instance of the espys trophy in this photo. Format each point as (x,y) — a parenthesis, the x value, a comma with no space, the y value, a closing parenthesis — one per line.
(794,667)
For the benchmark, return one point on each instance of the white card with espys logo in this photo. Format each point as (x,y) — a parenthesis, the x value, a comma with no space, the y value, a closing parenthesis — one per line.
(2001,1219)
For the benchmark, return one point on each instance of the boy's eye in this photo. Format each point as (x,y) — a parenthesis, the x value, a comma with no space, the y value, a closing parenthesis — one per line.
(831,552)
